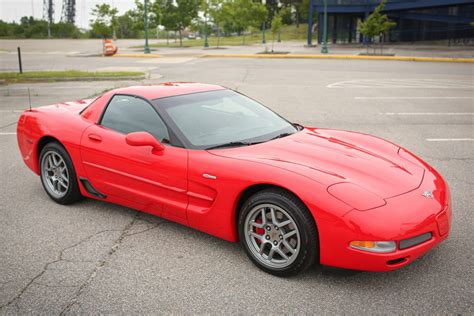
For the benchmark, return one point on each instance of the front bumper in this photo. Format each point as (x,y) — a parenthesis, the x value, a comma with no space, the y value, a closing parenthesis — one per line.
(403,218)
(362,260)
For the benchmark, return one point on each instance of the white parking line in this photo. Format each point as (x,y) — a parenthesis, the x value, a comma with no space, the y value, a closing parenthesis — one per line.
(403,83)
(428,113)
(450,139)
(413,98)
(7,133)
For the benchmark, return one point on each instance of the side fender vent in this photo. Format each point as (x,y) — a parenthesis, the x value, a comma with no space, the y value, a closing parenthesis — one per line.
(90,189)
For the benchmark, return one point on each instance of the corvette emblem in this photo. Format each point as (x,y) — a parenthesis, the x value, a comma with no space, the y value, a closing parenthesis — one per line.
(427,194)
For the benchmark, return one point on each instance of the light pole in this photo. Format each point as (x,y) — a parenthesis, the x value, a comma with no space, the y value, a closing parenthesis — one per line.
(146,50)
(324,47)
(206,43)
(264,41)
(279,30)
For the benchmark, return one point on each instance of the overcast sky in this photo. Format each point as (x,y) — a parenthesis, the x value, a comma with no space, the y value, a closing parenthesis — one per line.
(13,10)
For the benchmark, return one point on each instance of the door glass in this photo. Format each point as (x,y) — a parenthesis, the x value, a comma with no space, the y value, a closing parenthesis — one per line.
(127,114)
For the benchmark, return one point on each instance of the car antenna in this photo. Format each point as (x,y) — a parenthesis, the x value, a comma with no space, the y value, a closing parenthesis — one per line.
(29,98)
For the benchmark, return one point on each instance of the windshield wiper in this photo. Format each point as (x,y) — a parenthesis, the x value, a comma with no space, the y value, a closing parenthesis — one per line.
(239,143)
(281,135)
(231,144)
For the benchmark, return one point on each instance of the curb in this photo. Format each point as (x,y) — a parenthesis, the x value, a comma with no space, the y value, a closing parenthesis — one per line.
(307,56)
(59,79)
(137,55)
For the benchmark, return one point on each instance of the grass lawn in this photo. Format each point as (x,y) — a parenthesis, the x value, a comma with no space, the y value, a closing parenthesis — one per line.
(52,75)
(288,33)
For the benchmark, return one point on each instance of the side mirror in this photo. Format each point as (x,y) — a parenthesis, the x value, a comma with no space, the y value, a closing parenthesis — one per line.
(144,139)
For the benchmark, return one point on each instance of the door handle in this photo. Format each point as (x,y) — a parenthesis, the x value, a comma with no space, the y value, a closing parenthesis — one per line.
(95,137)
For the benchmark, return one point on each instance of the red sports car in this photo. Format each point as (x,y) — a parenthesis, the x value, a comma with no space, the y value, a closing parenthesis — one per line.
(215,160)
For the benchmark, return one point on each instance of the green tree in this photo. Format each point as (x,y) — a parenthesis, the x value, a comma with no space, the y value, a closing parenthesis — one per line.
(104,22)
(138,14)
(127,26)
(6,29)
(302,11)
(32,28)
(239,15)
(178,15)
(215,13)
(272,7)
(64,30)
(376,24)
(286,16)
(276,27)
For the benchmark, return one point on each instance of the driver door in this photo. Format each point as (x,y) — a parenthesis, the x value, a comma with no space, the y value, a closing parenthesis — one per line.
(154,181)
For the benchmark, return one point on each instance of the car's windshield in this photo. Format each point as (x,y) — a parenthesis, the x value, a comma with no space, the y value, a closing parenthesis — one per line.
(216,118)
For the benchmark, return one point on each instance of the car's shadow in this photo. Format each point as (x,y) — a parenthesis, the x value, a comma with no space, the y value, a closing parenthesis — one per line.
(208,243)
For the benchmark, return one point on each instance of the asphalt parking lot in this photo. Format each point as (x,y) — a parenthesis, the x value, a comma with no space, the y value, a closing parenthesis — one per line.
(94,257)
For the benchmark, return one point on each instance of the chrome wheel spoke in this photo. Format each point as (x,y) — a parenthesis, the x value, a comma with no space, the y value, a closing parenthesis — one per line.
(271,253)
(61,182)
(49,164)
(282,254)
(50,161)
(287,246)
(264,217)
(274,219)
(257,236)
(55,160)
(283,224)
(288,235)
(257,225)
(65,179)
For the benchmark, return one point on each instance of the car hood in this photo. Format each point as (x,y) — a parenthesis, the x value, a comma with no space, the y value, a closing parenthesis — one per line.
(333,156)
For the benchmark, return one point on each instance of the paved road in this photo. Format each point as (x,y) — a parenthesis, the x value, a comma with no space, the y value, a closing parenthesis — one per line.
(94,257)
(73,47)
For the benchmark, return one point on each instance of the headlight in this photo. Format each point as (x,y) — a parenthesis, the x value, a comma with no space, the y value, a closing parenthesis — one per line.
(374,246)
(355,196)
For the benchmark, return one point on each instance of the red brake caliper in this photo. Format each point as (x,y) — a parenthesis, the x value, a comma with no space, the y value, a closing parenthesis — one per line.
(259,231)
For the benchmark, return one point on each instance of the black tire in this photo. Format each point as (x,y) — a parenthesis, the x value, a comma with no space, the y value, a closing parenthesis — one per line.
(308,235)
(72,193)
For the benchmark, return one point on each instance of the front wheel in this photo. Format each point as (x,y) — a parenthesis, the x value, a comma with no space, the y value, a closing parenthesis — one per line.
(278,233)
(58,175)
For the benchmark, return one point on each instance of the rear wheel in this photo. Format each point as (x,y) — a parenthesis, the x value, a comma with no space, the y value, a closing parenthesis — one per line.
(278,233)
(58,175)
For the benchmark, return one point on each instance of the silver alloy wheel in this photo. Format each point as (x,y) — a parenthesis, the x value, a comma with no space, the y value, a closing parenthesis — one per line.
(272,236)
(54,174)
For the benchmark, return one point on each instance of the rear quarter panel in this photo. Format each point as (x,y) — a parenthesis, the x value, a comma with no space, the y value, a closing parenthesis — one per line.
(61,122)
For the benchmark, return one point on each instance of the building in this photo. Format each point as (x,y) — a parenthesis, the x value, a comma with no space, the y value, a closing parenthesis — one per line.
(417,20)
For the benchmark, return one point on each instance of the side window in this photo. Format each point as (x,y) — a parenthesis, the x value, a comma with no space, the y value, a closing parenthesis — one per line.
(127,114)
